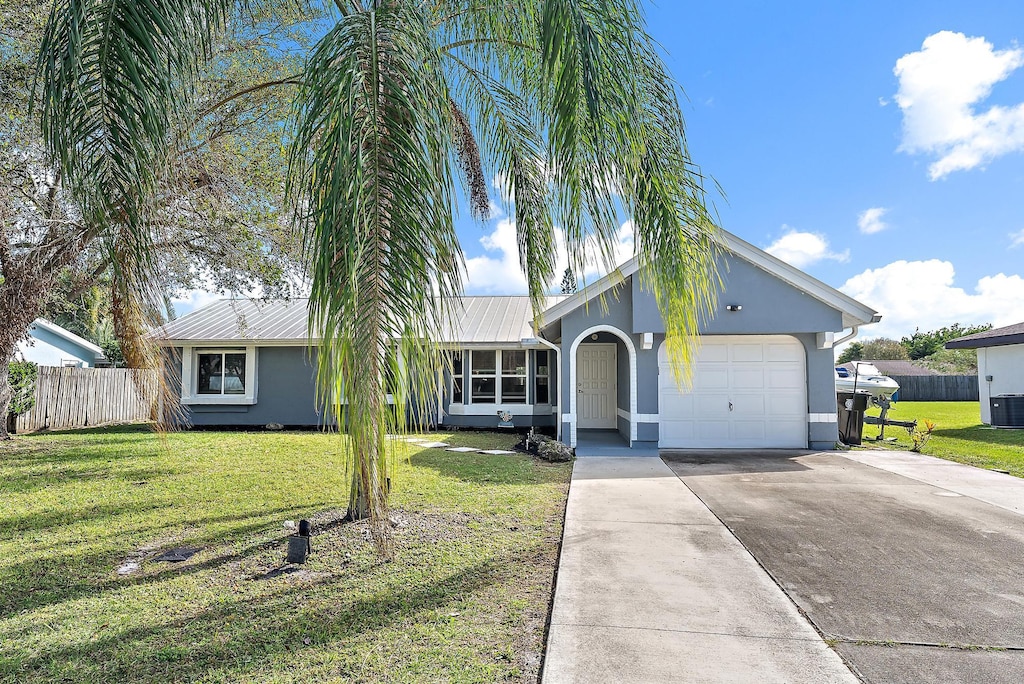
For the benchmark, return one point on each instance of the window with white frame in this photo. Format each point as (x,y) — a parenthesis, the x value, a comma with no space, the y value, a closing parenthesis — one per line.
(513,376)
(220,372)
(483,376)
(457,377)
(541,378)
(218,376)
(496,376)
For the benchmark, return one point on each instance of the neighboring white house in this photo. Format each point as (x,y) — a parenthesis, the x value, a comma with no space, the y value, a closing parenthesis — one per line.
(51,345)
(1000,363)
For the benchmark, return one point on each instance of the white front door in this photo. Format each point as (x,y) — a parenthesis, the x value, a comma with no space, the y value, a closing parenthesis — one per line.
(595,386)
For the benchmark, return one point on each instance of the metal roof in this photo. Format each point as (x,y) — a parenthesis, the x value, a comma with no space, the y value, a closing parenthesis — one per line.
(997,337)
(483,320)
(478,320)
(234,320)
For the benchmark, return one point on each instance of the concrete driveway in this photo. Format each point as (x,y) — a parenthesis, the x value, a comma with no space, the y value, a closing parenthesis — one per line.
(914,577)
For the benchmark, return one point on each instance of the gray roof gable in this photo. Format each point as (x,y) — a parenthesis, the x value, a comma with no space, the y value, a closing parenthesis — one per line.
(853,312)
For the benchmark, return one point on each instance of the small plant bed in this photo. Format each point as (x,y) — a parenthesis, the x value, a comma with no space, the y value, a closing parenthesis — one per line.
(86,597)
(958,435)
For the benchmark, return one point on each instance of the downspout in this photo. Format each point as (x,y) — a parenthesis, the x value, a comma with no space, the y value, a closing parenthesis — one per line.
(558,381)
(855,330)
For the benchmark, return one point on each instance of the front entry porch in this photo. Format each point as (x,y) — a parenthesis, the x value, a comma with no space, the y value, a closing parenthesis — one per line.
(591,443)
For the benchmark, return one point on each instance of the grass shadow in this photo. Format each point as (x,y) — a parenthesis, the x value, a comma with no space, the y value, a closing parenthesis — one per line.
(511,469)
(214,640)
(59,577)
(985,435)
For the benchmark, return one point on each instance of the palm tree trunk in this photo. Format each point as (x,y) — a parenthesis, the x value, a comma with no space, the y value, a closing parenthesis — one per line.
(5,392)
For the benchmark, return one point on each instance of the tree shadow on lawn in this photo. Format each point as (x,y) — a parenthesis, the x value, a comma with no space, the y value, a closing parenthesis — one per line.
(244,636)
(27,482)
(55,578)
(122,429)
(515,469)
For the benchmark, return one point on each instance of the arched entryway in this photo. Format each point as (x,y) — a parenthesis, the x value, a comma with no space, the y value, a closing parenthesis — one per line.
(593,365)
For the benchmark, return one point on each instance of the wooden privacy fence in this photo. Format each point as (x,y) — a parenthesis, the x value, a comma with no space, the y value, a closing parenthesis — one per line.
(84,397)
(937,387)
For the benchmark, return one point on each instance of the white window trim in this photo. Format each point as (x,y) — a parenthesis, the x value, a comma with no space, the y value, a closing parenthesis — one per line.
(497,404)
(491,409)
(464,353)
(189,379)
(536,375)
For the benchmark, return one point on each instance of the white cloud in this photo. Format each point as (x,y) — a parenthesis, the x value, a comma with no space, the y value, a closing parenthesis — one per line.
(497,270)
(1017,239)
(939,87)
(190,300)
(922,294)
(801,249)
(870,220)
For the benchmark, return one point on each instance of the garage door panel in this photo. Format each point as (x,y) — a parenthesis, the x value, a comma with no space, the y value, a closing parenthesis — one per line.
(710,429)
(781,405)
(710,379)
(749,429)
(778,352)
(678,405)
(748,379)
(710,406)
(711,352)
(747,353)
(746,405)
(785,378)
(762,377)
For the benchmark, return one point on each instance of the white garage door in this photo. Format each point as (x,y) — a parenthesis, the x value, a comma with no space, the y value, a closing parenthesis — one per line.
(747,391)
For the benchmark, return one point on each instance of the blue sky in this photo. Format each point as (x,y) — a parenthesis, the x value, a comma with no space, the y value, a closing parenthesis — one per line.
(795,109)
(877,145)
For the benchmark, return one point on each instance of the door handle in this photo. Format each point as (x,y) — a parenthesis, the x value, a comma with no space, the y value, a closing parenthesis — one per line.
(730,406)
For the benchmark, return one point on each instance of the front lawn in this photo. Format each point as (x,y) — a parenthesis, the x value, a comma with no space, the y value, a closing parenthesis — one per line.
(466,599)
(958,436)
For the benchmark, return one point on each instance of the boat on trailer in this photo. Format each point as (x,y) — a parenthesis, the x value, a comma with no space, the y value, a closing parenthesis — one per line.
(865,377)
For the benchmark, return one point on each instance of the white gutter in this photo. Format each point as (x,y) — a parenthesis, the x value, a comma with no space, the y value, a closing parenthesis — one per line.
(836,343)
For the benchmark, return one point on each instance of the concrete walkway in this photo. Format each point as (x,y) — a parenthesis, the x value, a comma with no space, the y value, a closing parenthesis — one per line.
(998,489)
(653,588)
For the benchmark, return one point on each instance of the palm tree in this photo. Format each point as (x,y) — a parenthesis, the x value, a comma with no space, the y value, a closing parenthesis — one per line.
(403,104)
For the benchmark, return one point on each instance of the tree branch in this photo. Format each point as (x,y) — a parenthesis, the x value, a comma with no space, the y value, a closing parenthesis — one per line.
(288,80)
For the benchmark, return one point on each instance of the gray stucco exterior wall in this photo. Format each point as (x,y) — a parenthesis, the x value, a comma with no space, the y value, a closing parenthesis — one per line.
(770,306)
(285,393)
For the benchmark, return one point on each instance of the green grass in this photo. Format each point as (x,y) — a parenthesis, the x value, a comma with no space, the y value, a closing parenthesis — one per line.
(466,599)
(958,436)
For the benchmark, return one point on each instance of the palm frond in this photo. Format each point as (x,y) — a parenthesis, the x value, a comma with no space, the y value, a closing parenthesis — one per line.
(114,76)
(512,152)
(370,170)
(617,148)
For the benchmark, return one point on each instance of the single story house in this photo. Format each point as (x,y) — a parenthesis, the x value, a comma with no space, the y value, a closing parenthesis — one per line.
(51,345)
(1000,363)
(763,378)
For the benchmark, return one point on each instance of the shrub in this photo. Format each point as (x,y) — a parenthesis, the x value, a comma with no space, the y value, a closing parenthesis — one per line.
(23,386)
(548,449)
(920,437)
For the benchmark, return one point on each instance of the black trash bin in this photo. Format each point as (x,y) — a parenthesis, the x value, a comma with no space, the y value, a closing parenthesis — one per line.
(851,407)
